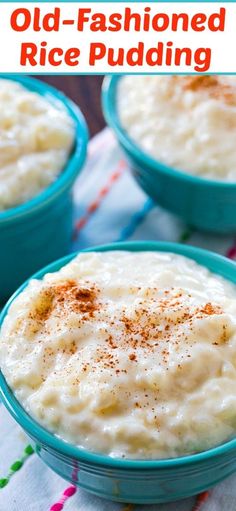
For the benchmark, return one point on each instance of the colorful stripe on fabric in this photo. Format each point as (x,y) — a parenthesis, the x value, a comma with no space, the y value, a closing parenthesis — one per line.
(17,465)
(231,252)
(100,143)
(185,235)
(94,205)
(69,492)
(136,220)
(201,499)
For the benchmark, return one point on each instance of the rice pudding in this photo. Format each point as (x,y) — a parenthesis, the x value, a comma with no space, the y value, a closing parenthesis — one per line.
(132,354)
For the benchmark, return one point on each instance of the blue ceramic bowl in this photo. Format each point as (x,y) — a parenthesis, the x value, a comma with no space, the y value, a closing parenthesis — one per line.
(202,203)
(39,231)
(130,480)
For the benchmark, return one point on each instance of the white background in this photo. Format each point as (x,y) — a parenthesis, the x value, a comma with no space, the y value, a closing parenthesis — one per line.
(223,44)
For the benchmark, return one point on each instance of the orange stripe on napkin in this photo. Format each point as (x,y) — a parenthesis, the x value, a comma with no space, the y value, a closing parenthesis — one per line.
(95,204)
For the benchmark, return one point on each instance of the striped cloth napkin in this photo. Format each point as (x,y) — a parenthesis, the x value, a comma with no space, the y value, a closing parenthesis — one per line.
(109,206)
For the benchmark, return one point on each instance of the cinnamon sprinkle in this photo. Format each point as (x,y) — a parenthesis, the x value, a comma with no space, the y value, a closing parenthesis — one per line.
(67,295)
(216,88)
(210,309)
(200,82)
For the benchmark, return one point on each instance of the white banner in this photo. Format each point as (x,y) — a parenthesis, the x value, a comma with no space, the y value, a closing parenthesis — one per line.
(129,37)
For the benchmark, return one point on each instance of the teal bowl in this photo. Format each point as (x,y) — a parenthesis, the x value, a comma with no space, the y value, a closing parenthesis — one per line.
(40,230)
(130,480)
(202,203)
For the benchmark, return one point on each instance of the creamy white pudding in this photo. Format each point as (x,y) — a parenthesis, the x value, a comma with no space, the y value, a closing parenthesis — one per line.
(36,138)
(186,122)
(129,354)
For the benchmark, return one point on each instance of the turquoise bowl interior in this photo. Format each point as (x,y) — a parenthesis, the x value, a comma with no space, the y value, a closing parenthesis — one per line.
(40,230)
(136,481)
(203,204)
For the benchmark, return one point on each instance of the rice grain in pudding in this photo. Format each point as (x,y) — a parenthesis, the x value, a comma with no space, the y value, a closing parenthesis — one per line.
(36,138)
(129,354)
(185,122)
